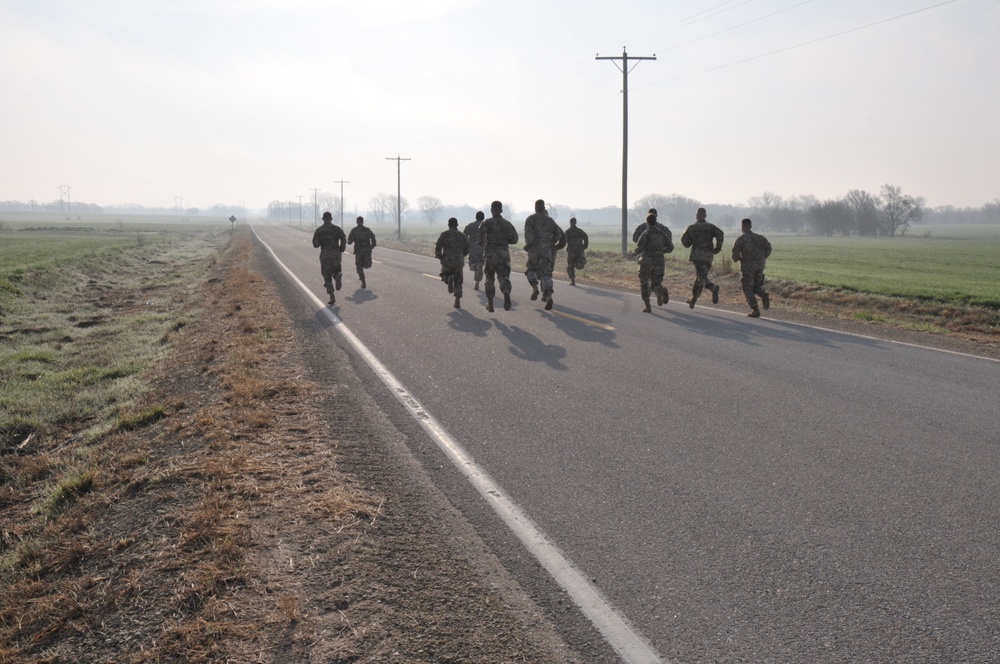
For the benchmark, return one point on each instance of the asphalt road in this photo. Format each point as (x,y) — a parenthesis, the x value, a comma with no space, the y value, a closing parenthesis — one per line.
(741,490)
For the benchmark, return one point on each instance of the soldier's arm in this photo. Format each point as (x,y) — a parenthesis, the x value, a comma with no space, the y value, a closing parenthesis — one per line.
(316,238)
(351,237)
(767,248)
(513,235)
(586,240)
(465,245)
(737,252)
(719,235)
(343,241)
(561,238)
(670,241)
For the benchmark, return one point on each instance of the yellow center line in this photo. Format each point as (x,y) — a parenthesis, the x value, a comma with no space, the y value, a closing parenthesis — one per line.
(582,320)
(433,276)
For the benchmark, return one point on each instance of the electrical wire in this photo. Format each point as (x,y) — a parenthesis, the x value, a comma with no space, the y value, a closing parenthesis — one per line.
(795,46)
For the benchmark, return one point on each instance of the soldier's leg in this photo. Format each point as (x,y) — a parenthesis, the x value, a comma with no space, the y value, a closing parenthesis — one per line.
(489,269)
(545,266)
(746,281)
(765,298)
(479,273)
(503,274)
(571,269)
(326,269)
(336,265)
(644,274)
(531,272)
(656,283)
(457,280)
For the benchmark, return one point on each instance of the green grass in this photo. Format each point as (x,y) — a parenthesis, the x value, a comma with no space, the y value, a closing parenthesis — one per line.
(955,271)
(85,317)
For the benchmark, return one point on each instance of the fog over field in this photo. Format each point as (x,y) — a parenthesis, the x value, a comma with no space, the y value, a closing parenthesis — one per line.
(184,105)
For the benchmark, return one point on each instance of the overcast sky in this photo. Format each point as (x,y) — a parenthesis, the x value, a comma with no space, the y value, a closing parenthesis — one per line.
(222,101)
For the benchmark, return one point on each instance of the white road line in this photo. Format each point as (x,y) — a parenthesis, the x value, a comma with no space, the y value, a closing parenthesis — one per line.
(620,635)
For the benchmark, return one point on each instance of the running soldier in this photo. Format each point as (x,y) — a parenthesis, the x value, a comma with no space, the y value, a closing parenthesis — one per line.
(752,251)
(331,242)
(451,249)
(495,234)
(699,237)
(363,240)
(654,242)
(475,249)
(641,228)
(542,238)
(576,244)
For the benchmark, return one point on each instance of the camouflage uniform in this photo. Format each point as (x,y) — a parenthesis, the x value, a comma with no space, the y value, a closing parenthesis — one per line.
(752,251)
(363,240)
(332,242)
(451,249)
(653,243)
(495,234)
(475,250)
(542,238)
(699,236)
(576,243)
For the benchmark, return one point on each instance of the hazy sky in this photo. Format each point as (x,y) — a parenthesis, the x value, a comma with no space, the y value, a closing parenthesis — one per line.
(221,101)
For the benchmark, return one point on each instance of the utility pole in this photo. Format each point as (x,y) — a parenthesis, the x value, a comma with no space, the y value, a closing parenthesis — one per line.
(300,210)
(64,193)
(315,207)
(179,202)
(625,70)
(399,198)
(342,183)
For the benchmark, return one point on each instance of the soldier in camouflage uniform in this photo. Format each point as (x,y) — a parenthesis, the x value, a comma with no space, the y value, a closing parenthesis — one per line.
(641,228)
(451,249)
(363,240)
(576,244)
(752,251)
(653,244)
(495,234)
(475,249)
(699,236)
(542,238)
(331,242)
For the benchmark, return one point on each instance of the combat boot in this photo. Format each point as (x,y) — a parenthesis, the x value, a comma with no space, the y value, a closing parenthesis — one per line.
(336,278)
(489,303)
(692,301)
(666,295)
(715,294)
(476,287)
(534,291)
(546,295)
(754,313)
(506,301)
(659,298)
(333,298)
(548,300)
(458,302)
(765,299)
(451,286)
(647,309)
(572,281)
(364,284)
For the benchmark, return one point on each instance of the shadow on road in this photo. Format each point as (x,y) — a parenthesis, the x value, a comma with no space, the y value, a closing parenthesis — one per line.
(752,332)
(526,346)
(361,296)
(582,326)
(461,320)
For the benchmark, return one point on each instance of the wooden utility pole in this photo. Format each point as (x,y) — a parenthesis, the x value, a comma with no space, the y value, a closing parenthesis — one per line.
(624,57)
(399,198)
(342,183)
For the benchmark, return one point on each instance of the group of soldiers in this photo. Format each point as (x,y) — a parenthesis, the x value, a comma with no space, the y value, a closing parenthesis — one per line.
(331,242)
(653,241)
(486,243)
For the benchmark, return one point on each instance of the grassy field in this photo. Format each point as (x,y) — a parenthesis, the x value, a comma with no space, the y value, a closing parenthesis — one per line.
(946,264)
(71,347)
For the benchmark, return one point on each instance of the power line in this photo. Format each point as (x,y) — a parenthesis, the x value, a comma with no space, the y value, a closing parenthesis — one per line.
(807,43)
(759,18)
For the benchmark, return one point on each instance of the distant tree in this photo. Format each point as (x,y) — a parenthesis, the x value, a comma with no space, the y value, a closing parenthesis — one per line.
(402,209)
(762,208)
(430,207)
(864,207)
(991,212)
(672,210)
(897,210)
(832,216)
(380,206)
